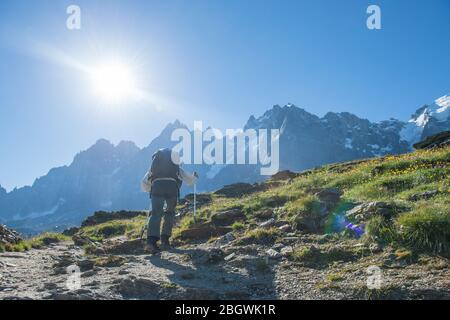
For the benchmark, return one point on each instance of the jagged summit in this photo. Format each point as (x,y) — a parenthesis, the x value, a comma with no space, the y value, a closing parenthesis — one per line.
(2,190)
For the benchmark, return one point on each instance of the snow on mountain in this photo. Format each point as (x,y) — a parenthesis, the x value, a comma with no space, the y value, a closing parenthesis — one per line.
(428,120)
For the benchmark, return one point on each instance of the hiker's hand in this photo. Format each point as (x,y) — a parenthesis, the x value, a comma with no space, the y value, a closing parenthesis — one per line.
(196,174)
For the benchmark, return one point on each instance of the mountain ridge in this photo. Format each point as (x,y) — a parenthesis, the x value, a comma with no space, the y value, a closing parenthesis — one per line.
(106,176)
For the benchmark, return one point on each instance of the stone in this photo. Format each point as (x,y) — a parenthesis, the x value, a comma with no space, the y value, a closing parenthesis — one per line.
(267,224)
(204,232)
(286,251)
(212,255)
(131,287)
(239,189)
(439,140)
(87,274)
(85,264)
(424,195)
(71,231)
(330,197)
(127,247)
(9,236)
(278,246)
(227,238)
(284,175)
(80,240)
(273,254)
(312,222)
(374,247)
(363,212)
(264,214)
(285,228)
(110,261)
(226,218)
(230,256)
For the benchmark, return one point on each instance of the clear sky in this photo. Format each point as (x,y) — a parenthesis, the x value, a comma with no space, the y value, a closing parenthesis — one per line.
(213,60)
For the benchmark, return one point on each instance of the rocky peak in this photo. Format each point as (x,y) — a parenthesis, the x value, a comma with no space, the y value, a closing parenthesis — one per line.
(279,117)
(127,148)
(2,191)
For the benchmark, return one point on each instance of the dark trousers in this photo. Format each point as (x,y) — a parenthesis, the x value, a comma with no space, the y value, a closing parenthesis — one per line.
(154,224)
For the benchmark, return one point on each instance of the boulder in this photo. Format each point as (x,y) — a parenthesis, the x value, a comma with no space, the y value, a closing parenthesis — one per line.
(203,232)
(201,198)
(363,212)
(283,175)
(273,254)
(85,264)
(330,197)
(312,222)
(264,214)
(239,189)
(285,228)
(225,239)
(9,236)
(71,231)
(435,141)
(212,255)
(80,240)
(128,247)
(286,251)
(226,218)
(267,224)
(138,288)
(424,195)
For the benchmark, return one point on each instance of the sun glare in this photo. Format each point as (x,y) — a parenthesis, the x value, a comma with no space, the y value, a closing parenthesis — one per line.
(112,81)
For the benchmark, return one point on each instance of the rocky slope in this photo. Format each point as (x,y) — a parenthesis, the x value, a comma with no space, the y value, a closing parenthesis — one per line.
(367,229)
(106,177)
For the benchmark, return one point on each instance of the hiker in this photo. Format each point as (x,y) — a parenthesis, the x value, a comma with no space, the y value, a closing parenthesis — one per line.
(163,182)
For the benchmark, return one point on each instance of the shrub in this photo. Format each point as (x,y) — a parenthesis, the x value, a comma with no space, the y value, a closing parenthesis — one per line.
(47,238)
(259,235)
(378,229)
(238,226)
(427,227)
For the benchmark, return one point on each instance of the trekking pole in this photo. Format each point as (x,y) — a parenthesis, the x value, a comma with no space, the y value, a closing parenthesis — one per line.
(195,201)
(145,226)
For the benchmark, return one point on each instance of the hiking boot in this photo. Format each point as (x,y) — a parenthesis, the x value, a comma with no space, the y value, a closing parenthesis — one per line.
(151,247)
(165,243)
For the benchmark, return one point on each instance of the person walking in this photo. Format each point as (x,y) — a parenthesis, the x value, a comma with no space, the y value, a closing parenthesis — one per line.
(163,182)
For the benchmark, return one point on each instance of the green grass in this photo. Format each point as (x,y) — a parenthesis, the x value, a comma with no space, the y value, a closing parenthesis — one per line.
(261,236)
(38,242)
(378,229)
(424,224)
(130,228)
(426,228)
(238,226)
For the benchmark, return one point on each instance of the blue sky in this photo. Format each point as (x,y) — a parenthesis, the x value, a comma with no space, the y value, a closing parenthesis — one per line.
(210,60)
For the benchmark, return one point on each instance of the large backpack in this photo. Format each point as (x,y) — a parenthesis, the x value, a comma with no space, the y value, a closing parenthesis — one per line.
(163,166)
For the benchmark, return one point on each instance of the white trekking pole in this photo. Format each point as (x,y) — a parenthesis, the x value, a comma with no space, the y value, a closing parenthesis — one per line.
(195,201)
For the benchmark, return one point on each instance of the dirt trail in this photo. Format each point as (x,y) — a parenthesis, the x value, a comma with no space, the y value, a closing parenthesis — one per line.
(207,272)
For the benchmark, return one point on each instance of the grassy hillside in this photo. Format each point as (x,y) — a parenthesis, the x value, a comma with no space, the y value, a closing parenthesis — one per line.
(416,185)
(415,189)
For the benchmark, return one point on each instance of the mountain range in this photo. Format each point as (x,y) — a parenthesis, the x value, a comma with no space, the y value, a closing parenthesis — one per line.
(107,176)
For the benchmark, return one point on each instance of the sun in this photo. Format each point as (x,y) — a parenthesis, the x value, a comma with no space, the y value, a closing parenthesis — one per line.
(112,81)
